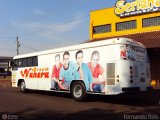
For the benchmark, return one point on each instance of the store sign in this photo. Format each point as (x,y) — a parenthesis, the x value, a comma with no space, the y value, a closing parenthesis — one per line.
(3,64)
(135,7)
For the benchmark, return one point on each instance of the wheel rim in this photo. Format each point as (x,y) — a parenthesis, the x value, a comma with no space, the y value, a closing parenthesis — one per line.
(22,86)
(77,91)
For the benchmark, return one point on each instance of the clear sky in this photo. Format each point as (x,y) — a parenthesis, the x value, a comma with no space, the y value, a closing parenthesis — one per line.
(45,24)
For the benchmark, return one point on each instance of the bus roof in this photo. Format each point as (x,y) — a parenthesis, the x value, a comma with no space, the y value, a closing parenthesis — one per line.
(82,46)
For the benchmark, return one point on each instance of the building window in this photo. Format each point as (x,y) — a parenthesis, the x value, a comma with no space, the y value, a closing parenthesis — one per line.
(126,25)
(102,29)
(148,22)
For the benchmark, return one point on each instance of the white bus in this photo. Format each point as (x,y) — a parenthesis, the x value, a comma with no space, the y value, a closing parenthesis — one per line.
(105,67)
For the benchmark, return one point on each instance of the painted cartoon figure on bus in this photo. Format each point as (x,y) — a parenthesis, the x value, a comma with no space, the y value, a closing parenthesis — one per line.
(67,72)
(83,70)
(55,72)
(97,73)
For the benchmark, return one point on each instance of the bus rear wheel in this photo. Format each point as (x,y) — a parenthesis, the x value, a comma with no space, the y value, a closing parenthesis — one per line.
(78,91)
(23,87)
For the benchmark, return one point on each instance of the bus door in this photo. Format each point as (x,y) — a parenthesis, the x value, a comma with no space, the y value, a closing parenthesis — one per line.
(14,77)
(14,65)
(112,86)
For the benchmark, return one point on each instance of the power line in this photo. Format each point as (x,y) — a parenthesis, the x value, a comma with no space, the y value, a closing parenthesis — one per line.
(67,22)
(6,49)
(26,46)
(28,34)
(6,37)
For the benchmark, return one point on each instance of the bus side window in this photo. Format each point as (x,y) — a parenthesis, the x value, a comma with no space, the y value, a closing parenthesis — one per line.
(19,62)
(30,63)
(24,62)
(35,61)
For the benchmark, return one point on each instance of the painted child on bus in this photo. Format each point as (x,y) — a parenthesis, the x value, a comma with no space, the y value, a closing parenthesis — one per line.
(127,53)
(67,72)
(83,70)
(123,53)
(97,73)
(55,72)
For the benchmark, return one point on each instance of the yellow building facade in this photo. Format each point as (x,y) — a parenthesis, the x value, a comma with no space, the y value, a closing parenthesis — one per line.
(138,20)
(108,23)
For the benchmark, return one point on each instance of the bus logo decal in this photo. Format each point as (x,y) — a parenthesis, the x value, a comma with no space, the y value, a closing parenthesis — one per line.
(35,73)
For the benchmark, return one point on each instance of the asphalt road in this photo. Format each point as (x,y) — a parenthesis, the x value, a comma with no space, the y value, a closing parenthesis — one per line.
(40,105)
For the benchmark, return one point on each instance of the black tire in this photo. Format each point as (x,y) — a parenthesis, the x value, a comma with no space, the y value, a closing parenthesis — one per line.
(78,91)
(23,87)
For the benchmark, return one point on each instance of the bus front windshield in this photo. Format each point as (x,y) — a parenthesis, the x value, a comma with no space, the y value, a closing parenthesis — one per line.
(133,53)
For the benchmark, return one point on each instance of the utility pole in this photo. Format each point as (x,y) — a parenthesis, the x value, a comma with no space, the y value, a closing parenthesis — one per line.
(18,45)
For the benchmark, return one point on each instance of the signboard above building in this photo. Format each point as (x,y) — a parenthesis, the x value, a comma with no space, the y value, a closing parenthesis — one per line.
(4,64)
(124,9)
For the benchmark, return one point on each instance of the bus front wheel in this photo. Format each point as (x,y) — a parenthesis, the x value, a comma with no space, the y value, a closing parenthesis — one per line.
(78,91)
(23,87)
